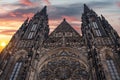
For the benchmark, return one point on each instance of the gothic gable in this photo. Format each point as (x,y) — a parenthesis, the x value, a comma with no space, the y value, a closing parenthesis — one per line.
(64,35)
(66,29)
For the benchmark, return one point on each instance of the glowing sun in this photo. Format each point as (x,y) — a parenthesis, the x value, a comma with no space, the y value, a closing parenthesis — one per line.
(3,44)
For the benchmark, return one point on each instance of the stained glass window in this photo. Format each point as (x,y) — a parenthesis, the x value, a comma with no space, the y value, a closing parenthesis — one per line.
(15,71)
(112,69)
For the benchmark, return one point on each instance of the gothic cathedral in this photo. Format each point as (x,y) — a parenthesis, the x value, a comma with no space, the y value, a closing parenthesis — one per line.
(64,54)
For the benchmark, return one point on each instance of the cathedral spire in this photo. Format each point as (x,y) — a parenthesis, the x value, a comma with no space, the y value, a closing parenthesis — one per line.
(86,9)
(64,19)
(42,12)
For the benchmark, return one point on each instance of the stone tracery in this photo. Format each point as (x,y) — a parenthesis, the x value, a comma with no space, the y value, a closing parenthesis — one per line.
(63,68)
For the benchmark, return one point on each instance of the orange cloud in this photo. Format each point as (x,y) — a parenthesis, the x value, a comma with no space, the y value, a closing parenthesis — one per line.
(10,24)
(71,18)
(47,2)
(12,14)
(8,28)
(53,24)
(27,15)
(26,2)
(7,32)
(78,29)
(118,4)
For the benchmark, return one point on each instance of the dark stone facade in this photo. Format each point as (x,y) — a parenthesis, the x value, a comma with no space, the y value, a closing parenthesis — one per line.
(33,54)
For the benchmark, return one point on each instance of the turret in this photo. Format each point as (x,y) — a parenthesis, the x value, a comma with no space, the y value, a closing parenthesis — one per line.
(42,12)
(86,9)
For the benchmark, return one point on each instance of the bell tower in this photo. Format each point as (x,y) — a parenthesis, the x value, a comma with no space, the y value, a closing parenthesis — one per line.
(100,38)
(17,57)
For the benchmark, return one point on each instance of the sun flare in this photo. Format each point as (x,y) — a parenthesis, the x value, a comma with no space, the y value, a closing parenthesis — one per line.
(3,44)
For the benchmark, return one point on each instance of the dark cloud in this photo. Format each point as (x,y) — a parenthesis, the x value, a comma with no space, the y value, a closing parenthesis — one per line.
(19,14)
(97,4)
(54,12)
(70,10)
(74,10)
(25,7)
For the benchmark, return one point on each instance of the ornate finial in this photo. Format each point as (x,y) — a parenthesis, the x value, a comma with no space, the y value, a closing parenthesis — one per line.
(102,16)
(64,19)
(26,21)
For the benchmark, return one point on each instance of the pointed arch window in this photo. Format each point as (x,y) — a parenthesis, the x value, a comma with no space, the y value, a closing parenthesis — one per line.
(34,27)
(16,70)
(112,68)
(98,32)
(30,36)
(95,25)
(32,31)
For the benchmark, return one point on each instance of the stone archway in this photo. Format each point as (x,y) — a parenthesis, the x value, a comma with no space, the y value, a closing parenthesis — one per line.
(63,67)
(20,53)
(105,52)
(17,67)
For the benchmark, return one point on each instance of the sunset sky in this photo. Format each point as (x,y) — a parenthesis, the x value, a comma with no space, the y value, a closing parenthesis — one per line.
(14,12)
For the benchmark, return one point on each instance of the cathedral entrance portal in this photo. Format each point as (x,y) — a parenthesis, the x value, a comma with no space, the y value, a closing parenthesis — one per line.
(63,68)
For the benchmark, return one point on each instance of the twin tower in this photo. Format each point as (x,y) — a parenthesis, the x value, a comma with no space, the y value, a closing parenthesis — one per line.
(34,54)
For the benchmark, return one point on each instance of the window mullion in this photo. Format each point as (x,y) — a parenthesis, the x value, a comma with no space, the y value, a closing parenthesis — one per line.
(14,71)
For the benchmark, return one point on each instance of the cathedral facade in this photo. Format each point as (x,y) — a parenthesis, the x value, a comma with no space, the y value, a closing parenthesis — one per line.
(64,54)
